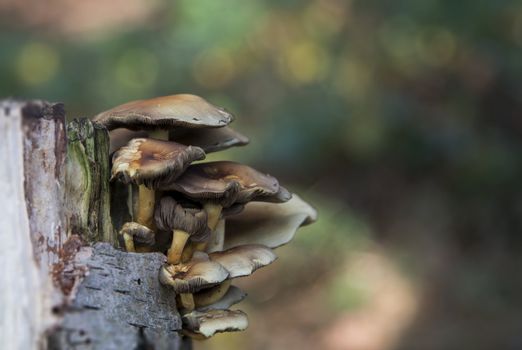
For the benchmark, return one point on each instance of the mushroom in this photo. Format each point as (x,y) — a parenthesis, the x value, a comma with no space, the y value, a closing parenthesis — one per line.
(203,325)
(149,163)
(167,112)
(183,223)
(222,184)
(239,261)
(121,136)
(244,260)
(209,139)
(191,277)
(134,232)
(205,299)
(269,224)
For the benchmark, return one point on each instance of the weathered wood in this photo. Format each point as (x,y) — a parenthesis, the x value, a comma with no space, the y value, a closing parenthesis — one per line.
(120,304)
(88,200)
(32,152)
(56,292)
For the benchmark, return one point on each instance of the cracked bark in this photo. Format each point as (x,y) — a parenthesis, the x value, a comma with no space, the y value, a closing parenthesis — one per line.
(58,291)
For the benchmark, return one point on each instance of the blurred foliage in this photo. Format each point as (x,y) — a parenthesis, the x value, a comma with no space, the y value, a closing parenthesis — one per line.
(401,120)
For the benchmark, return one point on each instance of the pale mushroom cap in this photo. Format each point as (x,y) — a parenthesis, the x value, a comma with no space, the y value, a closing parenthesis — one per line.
(269,224)
(225,182)
(209,139)
(215,321)
(244,260)
(233,296)
(166,112)
(193,276)
(153,162)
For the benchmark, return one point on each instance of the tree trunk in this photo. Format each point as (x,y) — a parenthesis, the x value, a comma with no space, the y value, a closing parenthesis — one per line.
(57,291)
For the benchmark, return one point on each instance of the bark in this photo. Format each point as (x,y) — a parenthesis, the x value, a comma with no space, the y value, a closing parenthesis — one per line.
(119,305)
(57,291)
(88,201)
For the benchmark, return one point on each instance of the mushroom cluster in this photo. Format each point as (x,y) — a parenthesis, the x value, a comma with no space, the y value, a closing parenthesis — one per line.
(215,221)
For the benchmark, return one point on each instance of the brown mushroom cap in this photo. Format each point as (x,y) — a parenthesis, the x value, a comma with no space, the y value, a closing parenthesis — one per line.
(166,112)
(153,162)
(226,183)
(121,136)
(191,277)
(210,140)
(269,224)
(206,324)
(244,260)
(169,216)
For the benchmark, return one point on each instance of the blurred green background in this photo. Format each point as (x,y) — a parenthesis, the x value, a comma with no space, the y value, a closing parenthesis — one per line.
(399,120)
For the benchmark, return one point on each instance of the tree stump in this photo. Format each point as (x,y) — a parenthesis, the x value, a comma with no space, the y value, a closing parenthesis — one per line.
(58,291)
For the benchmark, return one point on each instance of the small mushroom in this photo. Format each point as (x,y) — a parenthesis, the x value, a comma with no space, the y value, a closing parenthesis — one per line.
(209,139)
(239,261)
(149,163)
(153,162)
(222,184)
(134,232)
(209,300)
(167,112)
(203,325)
(269,224)
(183,223)
(193,276)
(244,260)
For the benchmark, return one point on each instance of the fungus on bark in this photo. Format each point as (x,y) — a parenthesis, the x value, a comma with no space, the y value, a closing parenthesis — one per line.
(269,224)
(222,184)
(244,260)
(206,299)
(209,139)
(184,223)
(149,163)
(132,232)
(203,325)
(166,112)
(192,276)
(121,136)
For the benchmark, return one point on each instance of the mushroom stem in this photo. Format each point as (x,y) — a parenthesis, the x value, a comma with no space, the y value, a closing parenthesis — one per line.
(217,238)
(188,251)
(211,295)
(129,242)
(214,212)
(187,301)
(179,239)
(145,210)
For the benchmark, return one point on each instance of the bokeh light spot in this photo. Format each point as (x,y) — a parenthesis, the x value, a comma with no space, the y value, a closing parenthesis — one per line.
(214,68)
(37,63)
(436,47)
(304,62)
(136,70)
(353,79)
